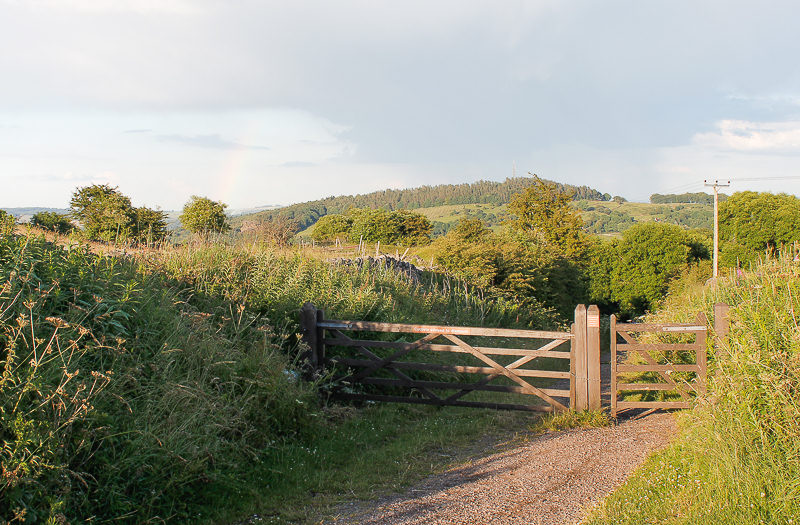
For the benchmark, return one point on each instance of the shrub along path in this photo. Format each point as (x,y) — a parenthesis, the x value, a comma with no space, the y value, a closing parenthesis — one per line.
(553,479)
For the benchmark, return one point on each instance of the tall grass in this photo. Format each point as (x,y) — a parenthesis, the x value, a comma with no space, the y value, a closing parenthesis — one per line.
(737,459)
(276,282)
(119,398)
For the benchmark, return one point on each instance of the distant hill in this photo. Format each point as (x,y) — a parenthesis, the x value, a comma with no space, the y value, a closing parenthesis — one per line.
(250,211)
(481,192)
(599,217)
(24,214)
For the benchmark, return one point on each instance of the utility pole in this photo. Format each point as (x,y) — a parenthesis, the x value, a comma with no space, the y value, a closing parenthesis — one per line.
(716,185)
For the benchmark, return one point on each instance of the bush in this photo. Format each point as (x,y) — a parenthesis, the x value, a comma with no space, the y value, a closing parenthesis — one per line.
(52,221)
(399,227)
(201,215)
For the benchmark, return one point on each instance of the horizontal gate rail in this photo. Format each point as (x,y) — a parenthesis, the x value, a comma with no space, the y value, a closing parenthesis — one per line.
(367,326)
(362,364)
(463,369)
(630,345)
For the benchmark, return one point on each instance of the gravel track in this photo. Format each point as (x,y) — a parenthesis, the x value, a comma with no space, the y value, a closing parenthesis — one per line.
(553,479)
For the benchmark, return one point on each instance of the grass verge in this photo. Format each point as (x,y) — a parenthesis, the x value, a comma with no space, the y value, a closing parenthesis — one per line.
(737,459)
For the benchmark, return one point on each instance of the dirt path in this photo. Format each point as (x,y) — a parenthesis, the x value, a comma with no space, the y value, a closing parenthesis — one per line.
(554,479)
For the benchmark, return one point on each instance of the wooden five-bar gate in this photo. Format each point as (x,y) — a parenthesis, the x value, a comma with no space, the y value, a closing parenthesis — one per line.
(372,368)
(668,361)
(379,370)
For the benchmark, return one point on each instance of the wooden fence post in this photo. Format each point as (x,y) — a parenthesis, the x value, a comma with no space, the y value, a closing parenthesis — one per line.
(593,356)
(722,323)
(320,338)
(308,322)
(581,377)
(572,346)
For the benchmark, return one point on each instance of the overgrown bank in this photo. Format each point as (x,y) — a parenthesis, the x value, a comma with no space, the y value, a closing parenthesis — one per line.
(164,389)
(738,457)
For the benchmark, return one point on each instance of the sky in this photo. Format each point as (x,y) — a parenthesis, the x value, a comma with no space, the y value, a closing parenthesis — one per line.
(256,103)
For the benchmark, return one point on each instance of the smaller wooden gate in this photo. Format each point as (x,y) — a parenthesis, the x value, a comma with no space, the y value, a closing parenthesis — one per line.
(381,364)
(659,360)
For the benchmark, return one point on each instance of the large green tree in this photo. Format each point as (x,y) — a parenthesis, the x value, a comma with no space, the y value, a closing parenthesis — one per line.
(201,215)
(106,214)
(506,264)
(632,274)
(103,212)
(752,222)
(542,212)
(53,221)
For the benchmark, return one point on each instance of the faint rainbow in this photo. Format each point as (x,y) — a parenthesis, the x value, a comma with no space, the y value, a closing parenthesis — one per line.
(232,170)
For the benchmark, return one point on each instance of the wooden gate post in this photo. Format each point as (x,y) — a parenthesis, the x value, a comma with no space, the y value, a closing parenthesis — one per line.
(580,358)
(572,368)
(702,354)
(613,329)
(593,355)
(312,335)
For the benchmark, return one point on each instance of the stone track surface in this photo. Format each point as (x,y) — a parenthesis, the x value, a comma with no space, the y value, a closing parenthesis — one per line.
(553,479)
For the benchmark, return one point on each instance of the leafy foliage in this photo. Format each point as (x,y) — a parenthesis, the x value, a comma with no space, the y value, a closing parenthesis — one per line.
(330,227)
(149,226)
(275,230)
(7,222)
(53,221)
(103,212)
(201,215)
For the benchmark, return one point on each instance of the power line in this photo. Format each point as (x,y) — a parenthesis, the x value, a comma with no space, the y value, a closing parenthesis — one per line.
(684,187)
(780,177)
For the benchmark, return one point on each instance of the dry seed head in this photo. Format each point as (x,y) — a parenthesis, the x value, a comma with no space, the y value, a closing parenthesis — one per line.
(57,322)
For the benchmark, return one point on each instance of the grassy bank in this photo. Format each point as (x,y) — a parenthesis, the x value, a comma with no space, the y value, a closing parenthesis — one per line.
(737,459)
(162,388)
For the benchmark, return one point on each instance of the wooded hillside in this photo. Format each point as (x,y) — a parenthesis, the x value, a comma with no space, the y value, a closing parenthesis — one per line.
(489,192)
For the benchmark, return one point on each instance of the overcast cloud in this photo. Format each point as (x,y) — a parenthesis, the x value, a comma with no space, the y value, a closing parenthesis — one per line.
(276,102)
